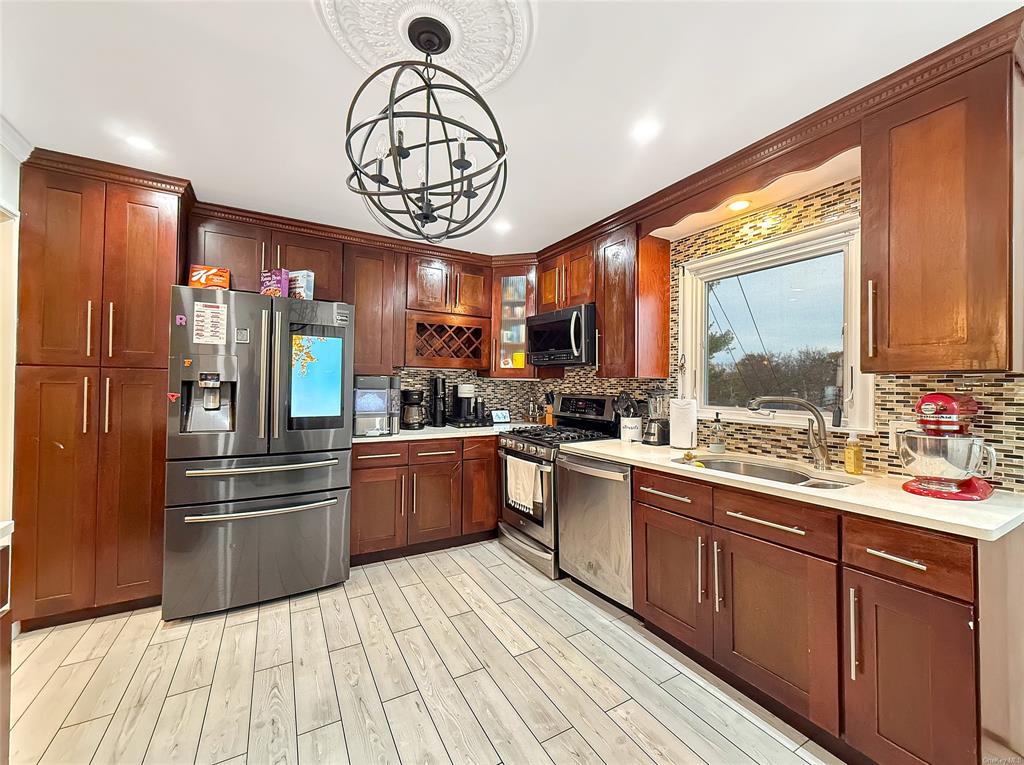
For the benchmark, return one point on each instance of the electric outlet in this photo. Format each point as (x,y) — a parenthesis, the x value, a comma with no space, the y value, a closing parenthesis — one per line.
(899,426)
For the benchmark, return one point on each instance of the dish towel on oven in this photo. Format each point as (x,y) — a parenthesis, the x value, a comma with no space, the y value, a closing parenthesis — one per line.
(522,482)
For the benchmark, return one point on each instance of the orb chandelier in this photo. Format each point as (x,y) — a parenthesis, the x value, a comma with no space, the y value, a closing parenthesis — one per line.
(422,173)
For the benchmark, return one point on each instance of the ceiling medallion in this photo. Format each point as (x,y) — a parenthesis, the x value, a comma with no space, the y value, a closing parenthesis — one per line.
(423,173)
(489,38)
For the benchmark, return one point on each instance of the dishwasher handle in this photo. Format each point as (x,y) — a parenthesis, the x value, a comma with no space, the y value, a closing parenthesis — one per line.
(605,470)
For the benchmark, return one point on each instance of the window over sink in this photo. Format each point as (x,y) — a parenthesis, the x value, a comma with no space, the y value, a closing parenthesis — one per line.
(778,318)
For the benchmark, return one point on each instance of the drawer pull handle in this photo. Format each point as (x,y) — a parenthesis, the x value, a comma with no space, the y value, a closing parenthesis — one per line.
(853,633)
(788,529)
(377,456)
(700,569)
(718,585)
(665,494)
(434,454)
(915,564)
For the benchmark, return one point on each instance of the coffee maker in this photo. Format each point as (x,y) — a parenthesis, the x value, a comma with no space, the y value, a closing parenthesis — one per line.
(463,402)
(414,413)
(658,409)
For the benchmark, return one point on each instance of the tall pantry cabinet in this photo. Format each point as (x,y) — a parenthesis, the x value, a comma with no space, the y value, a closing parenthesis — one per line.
(100,250)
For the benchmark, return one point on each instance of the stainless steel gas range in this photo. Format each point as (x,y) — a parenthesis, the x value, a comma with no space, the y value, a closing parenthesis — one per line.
(530,529)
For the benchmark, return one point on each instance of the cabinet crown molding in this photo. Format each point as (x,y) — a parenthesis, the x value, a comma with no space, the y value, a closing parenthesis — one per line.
(107,171)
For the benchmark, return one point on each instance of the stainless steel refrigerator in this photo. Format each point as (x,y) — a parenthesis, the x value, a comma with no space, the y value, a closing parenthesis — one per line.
(259,436)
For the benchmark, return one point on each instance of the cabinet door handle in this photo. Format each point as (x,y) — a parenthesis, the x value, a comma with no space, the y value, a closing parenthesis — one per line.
(565,285)
(401,510)
(447,290)
(665,494)
(597,351)
(751,519)
(853,633)
(718,584)
(434,454)
(88,328)
(458,288)
(414,494)
(494,354)
(106,407)
(263,256)
(278,256)
(558,287)
(871,318)
(915,564)
(377,456)
(110,330)
(700,569)
(85,404)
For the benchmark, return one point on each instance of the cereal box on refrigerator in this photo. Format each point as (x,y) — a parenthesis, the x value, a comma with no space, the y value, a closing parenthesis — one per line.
(274,282)
(211,277)
(300,285)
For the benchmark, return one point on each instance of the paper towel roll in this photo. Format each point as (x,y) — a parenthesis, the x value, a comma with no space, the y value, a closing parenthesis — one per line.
(682,430)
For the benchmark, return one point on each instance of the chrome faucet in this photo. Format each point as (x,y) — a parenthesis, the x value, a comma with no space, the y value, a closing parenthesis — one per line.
(817,436)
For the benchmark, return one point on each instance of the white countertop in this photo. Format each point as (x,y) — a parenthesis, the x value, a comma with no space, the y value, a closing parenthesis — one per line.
(876,496)
(446,432)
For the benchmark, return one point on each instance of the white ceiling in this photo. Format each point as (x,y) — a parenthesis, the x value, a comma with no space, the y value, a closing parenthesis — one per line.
(248,99)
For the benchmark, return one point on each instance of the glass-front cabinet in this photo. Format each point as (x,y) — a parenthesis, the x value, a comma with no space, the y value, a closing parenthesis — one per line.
(514,292)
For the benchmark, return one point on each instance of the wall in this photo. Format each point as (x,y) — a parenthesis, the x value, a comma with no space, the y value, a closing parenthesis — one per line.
(1001,397)
(9,188)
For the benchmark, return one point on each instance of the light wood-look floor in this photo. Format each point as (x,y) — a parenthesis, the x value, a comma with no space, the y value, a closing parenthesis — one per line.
(460,656)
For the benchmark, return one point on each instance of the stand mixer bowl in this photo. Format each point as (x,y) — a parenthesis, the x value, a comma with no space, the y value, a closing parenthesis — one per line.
(945,464)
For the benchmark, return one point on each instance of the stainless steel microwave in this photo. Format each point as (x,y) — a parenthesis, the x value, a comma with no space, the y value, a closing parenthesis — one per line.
(563,338)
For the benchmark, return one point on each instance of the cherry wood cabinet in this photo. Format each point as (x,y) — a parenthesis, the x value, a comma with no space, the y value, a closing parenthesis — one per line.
(140,256)
(369,286)
(567,279)
(447,286)
(132,430)
(515,298)
(671,576)
(910,693)
(429,286)
(936,227)
(242,247)
(616,303)
(480,492)
(775,623)
(56,422)
(632,305)
(447,341)
(379,500)
(60,268)
(322,256)
(436,501)
(472,289)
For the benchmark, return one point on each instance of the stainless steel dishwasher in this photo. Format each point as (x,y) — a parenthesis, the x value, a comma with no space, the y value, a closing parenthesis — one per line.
(595,533)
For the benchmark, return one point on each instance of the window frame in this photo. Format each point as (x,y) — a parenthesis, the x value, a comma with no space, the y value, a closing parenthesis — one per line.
(842,235)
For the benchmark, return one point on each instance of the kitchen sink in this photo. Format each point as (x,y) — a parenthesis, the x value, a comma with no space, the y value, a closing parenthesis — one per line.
(772,473)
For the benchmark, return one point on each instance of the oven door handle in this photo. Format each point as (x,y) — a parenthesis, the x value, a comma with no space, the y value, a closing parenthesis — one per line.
(541,468)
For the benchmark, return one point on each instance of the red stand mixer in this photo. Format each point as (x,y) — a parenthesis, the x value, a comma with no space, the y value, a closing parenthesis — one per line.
(945,460)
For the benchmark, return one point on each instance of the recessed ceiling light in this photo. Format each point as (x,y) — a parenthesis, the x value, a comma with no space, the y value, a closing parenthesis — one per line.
(502,226)
(645,130)
(739,204)
(138,142)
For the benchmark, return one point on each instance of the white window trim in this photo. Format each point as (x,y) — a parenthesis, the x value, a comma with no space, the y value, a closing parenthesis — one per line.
(842,234)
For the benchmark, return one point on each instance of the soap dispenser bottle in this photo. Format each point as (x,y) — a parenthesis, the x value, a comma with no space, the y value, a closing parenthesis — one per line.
(716,443)
(853,455)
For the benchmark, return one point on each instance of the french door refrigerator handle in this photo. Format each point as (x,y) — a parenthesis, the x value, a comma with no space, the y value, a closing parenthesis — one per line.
(264,321)
(275,414)
(259,513)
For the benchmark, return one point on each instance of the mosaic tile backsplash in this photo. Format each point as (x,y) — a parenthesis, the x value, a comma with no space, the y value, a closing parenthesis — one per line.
(1000,396)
